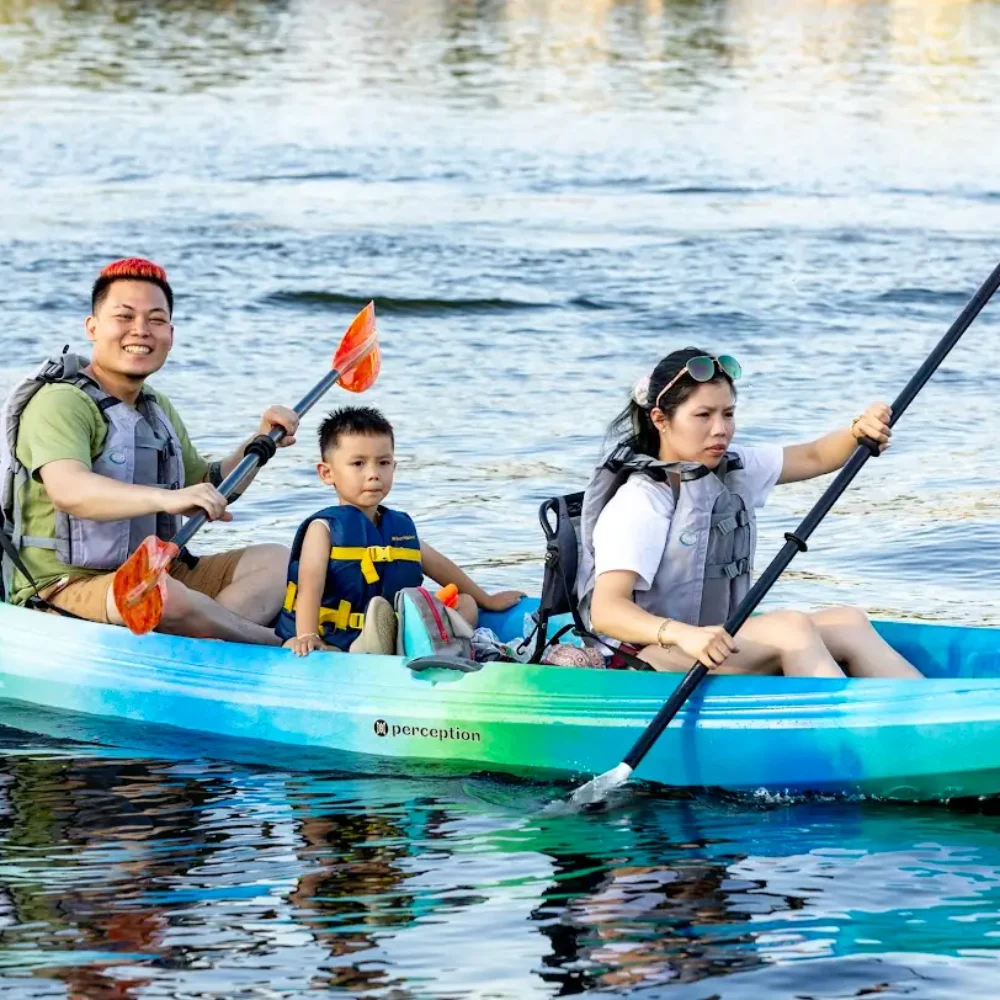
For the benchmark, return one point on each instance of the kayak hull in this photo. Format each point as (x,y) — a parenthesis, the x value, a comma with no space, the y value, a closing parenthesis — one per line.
(935,739)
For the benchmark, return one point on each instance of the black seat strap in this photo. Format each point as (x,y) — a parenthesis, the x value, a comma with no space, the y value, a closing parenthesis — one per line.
(36,601)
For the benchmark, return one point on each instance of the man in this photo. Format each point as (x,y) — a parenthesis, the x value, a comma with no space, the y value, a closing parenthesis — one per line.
(102,461)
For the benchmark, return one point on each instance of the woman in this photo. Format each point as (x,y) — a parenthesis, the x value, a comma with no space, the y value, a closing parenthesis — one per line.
(669,533)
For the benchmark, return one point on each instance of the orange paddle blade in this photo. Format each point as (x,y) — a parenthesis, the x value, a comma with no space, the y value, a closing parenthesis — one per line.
(358,358)
(362,376)
(140,584)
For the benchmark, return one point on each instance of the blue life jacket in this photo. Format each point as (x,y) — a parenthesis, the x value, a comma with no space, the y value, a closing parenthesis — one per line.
(366,561)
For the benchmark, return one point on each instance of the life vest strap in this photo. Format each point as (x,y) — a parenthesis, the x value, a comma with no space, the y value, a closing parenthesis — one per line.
(726,524)
(728,570)
(341,617)
(373,554)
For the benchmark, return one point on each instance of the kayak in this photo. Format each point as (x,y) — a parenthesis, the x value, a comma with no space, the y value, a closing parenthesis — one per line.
(935,739)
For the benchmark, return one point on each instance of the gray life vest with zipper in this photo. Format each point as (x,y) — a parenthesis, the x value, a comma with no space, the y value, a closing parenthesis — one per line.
(141,447)
(707,564)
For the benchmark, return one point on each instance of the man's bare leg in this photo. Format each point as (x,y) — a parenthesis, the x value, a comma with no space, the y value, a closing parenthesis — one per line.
(186,612)
(258,586)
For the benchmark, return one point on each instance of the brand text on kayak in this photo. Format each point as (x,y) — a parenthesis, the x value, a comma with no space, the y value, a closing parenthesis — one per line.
(383,728)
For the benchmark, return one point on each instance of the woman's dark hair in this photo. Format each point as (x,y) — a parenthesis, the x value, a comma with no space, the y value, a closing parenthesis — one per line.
(633,428)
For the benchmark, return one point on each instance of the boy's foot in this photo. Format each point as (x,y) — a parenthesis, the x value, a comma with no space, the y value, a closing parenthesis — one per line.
(379,633)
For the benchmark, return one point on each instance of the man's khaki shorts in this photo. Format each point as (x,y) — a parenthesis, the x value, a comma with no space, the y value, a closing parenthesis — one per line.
(87,596)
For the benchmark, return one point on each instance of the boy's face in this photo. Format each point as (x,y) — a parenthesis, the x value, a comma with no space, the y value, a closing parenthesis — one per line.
(360,468)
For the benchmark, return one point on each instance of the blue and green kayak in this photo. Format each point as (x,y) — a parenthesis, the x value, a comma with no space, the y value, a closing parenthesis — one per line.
(935,739)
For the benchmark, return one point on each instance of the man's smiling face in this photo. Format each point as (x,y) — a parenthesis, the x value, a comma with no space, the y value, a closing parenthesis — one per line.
(131,330)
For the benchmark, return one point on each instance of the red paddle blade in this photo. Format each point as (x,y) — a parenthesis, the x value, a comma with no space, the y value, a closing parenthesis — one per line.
(140,584)
(358,359)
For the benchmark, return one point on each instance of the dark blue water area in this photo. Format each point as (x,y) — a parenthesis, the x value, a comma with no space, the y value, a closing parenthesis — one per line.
(543,198)
(129,876)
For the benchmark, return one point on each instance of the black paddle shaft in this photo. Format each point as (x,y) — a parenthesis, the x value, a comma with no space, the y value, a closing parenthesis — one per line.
(257,453)
(796,541)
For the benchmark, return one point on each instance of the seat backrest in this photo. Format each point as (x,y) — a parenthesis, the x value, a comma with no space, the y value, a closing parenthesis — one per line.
(560,520)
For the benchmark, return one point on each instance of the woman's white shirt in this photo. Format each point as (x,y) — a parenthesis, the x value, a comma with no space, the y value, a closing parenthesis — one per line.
(631,531)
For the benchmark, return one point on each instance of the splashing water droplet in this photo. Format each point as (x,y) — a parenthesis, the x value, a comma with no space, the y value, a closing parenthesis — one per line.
(594,792)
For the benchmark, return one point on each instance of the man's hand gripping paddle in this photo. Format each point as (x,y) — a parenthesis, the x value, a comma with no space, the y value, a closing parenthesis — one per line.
(140,584)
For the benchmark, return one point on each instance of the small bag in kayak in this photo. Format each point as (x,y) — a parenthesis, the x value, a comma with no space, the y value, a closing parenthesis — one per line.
(428,628)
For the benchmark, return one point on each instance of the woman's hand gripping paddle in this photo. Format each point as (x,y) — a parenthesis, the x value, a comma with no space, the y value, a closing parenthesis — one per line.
(596,790)
(140,584)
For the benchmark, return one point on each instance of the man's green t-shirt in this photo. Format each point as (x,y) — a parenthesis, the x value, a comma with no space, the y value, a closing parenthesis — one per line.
(60,422)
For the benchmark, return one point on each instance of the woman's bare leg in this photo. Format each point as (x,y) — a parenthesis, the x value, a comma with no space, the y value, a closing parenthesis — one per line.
(787,642)
(849,636)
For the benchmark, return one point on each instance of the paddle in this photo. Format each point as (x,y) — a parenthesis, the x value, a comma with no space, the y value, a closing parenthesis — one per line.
(140,584)
(597,788)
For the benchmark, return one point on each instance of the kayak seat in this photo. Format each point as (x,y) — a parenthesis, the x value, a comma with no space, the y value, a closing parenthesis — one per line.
(560,521)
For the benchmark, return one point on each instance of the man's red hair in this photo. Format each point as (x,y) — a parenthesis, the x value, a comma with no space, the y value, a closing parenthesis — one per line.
(131,269)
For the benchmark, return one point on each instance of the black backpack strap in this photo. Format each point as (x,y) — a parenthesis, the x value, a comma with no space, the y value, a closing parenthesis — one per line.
(558,590)
(36,601)
(559,583)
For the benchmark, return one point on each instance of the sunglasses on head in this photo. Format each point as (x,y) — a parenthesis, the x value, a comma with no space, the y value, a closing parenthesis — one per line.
(702,369)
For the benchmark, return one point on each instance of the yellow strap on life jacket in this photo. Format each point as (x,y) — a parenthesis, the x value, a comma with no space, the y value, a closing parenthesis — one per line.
(374,554)
(340,617)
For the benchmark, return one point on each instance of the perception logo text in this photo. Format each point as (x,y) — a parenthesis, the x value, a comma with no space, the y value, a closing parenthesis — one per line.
(383,728)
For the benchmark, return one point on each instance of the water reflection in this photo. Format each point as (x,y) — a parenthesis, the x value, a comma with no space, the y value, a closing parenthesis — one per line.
(157,46)
(86,844)
(504,53)
(356,894)
(630,925)
(121,876)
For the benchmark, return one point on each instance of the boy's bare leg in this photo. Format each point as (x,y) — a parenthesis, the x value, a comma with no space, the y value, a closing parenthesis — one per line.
(468,609)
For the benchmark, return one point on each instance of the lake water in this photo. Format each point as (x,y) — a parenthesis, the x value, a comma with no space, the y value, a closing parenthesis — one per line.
(543,198)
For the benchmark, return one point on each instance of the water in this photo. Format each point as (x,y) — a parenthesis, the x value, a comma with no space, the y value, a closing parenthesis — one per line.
(155,879)
(543,198)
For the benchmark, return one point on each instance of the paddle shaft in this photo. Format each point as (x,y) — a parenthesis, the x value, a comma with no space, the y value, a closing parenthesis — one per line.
(252,460)
(796,541)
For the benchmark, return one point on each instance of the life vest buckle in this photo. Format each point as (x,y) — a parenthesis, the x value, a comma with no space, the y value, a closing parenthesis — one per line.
(341,617)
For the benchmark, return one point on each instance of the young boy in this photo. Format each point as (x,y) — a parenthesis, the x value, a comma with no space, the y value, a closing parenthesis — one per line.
(349,561)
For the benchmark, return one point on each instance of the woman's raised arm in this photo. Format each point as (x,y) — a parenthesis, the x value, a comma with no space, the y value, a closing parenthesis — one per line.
(830,452)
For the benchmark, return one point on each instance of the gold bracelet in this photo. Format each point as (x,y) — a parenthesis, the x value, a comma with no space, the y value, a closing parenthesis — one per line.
(854,423)
(659,633)
(310,635)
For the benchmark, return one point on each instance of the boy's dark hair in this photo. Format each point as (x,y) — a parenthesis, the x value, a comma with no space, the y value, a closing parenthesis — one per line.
(365,420)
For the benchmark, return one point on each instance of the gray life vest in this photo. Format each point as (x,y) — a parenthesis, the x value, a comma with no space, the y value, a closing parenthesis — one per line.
(141,447)
(707,564)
